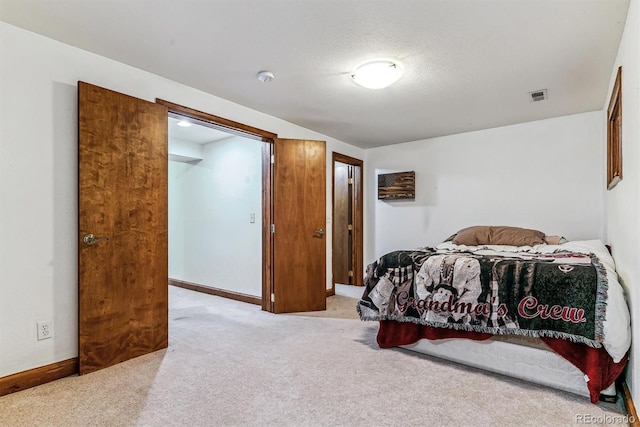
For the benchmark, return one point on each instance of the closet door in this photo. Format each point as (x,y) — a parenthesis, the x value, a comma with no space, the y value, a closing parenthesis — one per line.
(123,292)
(299,218)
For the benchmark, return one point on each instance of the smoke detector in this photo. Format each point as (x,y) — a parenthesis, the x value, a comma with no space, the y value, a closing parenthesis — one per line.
(266,76)
(538,95)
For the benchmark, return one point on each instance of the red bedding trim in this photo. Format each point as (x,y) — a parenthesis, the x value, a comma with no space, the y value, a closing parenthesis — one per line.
(594,362)
(394,334)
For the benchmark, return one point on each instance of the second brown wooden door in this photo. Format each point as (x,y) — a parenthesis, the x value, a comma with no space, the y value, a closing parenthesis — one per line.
(299,219)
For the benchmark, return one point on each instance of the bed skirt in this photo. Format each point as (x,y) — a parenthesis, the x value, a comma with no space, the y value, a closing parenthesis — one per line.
(565,367)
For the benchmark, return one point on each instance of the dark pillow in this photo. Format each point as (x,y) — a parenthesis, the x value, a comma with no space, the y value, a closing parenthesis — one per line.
(450,238)
(498,235)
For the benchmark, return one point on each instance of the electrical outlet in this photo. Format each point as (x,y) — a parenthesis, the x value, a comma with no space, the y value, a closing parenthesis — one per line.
(45,330)
(252,218)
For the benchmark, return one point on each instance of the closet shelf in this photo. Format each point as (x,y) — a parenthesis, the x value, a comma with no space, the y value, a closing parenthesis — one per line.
(183,158)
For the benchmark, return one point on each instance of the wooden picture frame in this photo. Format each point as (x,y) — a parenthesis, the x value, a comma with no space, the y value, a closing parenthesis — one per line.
(395,186)
(614,134)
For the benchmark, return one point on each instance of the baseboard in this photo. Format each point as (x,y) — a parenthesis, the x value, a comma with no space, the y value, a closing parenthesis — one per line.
(37,376)
(217,292)
(331,292)
(628,403)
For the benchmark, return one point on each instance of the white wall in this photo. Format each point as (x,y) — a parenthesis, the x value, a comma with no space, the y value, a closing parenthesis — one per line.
(38,181)
(185,151)
(211,239)
(622,203)
(545,175)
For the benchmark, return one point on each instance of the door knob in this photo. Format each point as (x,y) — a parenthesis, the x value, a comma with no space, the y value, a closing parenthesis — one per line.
(90,239)
(319,233)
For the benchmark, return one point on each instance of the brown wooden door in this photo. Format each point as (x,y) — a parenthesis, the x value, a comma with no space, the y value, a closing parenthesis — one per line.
(347,220)
(123,292)
(299,218)
(358,218)
(341,253)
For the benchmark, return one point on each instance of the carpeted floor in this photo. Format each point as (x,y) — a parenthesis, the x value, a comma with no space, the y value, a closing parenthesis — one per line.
(338,307)
(229,363)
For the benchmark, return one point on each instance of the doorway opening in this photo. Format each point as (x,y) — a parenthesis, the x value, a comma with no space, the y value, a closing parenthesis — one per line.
(347,242)
(215,205)
(220,206)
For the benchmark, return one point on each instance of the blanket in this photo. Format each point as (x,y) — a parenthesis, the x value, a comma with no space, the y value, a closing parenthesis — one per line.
(560,295)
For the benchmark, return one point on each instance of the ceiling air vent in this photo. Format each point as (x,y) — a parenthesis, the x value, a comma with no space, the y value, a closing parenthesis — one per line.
(538,95)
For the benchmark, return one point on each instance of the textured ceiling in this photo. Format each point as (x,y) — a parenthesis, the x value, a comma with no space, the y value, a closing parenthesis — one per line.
(469,64)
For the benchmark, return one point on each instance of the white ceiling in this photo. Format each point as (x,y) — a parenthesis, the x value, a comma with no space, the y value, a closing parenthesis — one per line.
(196,133)
(469,64)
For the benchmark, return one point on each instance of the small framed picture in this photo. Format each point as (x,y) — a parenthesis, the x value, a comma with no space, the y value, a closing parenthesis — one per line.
(614,134)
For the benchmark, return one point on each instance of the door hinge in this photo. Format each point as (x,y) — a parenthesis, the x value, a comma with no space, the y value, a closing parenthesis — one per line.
(350,181)
(273,297)
(273,228)
(350,273)
(273,158)
(350,227)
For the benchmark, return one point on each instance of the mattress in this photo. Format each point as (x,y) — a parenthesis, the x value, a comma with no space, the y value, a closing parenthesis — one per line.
(523,358)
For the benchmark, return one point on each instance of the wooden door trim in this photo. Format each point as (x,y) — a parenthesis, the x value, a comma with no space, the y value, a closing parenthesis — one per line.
(267,236)
(234,127)
(357,250)
(267,184)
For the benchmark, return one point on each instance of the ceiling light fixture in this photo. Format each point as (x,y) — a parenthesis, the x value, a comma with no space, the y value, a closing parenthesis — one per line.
(266,76)
(184,123)
(377,74)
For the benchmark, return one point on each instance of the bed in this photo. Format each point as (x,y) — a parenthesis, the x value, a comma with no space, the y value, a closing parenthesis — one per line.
(554,314)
